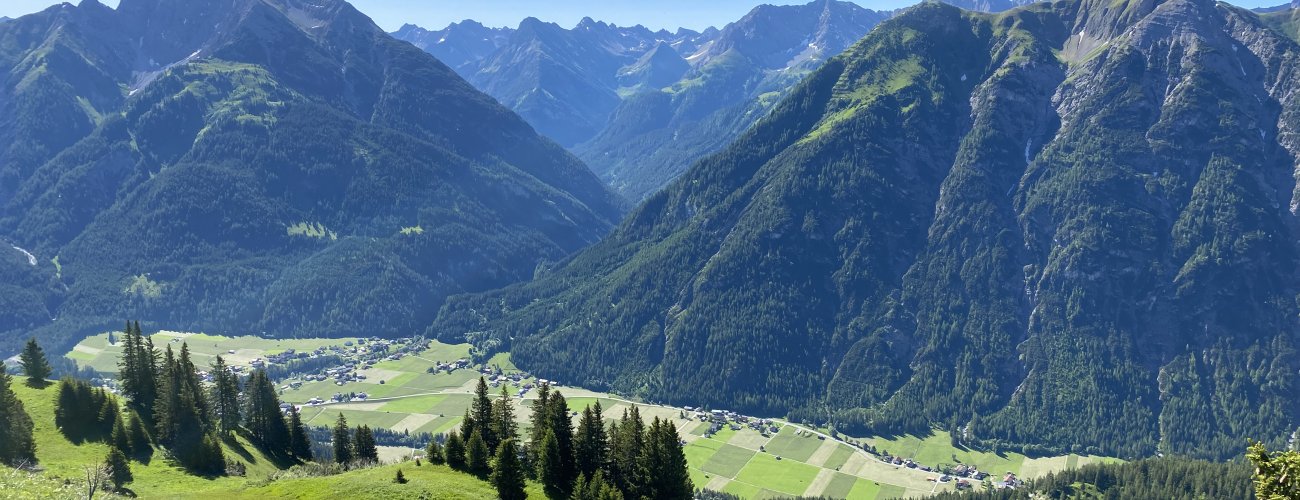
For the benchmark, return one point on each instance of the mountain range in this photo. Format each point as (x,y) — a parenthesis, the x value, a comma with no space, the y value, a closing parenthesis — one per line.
(640,106)
(1070,227)
(276,166)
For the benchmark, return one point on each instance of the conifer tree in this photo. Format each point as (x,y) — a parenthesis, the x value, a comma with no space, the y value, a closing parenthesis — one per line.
(434,453)
(400,478)
(508,475)
(119,469)
(262,418)
(592,444)
(364,444)
(468,426)
(503,417)
(481,410)
(665,463)
(455,451)
(138,436)
(550,467)
(342,442)
(120,438)
(477,456)
(561,427)
(34,363)
(299,441)
(539,421)
(16,442)
(225,396)
(626,467)
(105,418)
(596,487)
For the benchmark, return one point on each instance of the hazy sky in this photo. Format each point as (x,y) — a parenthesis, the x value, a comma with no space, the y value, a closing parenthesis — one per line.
(670,14)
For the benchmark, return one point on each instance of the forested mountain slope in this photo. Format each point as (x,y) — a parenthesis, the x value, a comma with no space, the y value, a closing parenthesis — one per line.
(261,165)
(1066,227)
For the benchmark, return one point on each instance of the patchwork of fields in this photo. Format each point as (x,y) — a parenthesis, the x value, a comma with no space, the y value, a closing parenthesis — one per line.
(404,395)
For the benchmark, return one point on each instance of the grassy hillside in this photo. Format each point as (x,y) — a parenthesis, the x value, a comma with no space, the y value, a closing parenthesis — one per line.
(62,460)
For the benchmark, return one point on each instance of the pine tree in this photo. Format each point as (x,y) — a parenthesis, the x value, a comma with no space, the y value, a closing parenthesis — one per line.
(66,408)
(119,469)
(400,478)
(468,426)
(626,448)
(539,420)
(225,396)
(299,441)
(342,442)
(16,442)
(434,453)
(592,444)
(364,443)
(477,456)
(139,437)
(665,463)
(105,418)
(562,432)
(138,369)
(508,476)
(550,467)
(120,438)
(455,450)
(262,418)
(481,410)
(503,417)
(34,363)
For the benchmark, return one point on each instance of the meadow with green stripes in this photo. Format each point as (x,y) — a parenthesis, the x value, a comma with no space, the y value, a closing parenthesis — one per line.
(405,396)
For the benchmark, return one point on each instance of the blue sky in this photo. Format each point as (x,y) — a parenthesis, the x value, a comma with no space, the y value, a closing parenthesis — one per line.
(670,14)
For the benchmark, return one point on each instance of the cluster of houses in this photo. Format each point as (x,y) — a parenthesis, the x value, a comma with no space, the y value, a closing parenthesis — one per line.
(732,420)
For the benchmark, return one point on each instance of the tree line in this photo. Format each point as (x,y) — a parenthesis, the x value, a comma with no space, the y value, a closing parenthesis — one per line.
(169,406)
(626,460)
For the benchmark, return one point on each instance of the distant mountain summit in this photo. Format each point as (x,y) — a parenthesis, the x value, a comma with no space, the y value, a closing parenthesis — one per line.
(463,45)
(1067,228)
(278,166)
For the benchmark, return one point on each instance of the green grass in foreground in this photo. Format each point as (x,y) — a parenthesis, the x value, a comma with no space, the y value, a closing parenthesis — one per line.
(428,481)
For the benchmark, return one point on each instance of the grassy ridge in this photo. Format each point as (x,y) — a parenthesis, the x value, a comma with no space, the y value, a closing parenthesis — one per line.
(159,478)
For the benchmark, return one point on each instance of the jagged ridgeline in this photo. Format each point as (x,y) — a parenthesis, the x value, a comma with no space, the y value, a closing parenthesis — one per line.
(260,165)
(1069,227)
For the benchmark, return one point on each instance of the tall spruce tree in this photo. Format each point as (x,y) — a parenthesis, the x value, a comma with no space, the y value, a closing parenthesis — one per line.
(591,449)
(503,417)
(455,451)
(481,410)
(181,415)
(477,456)
(34,363)
(342,442)
(539,422)
(138,369)
(508,475)
(299,440)
(225,396)
(626,467)
(665,463)
(561,426)
(262,417)
(16,442)
(550,467)
(364,443)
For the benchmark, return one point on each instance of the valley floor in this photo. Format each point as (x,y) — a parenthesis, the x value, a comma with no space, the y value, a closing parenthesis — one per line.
(405,395)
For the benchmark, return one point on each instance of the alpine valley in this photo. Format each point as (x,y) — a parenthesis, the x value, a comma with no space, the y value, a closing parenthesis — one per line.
(976,249)
(1067,227)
